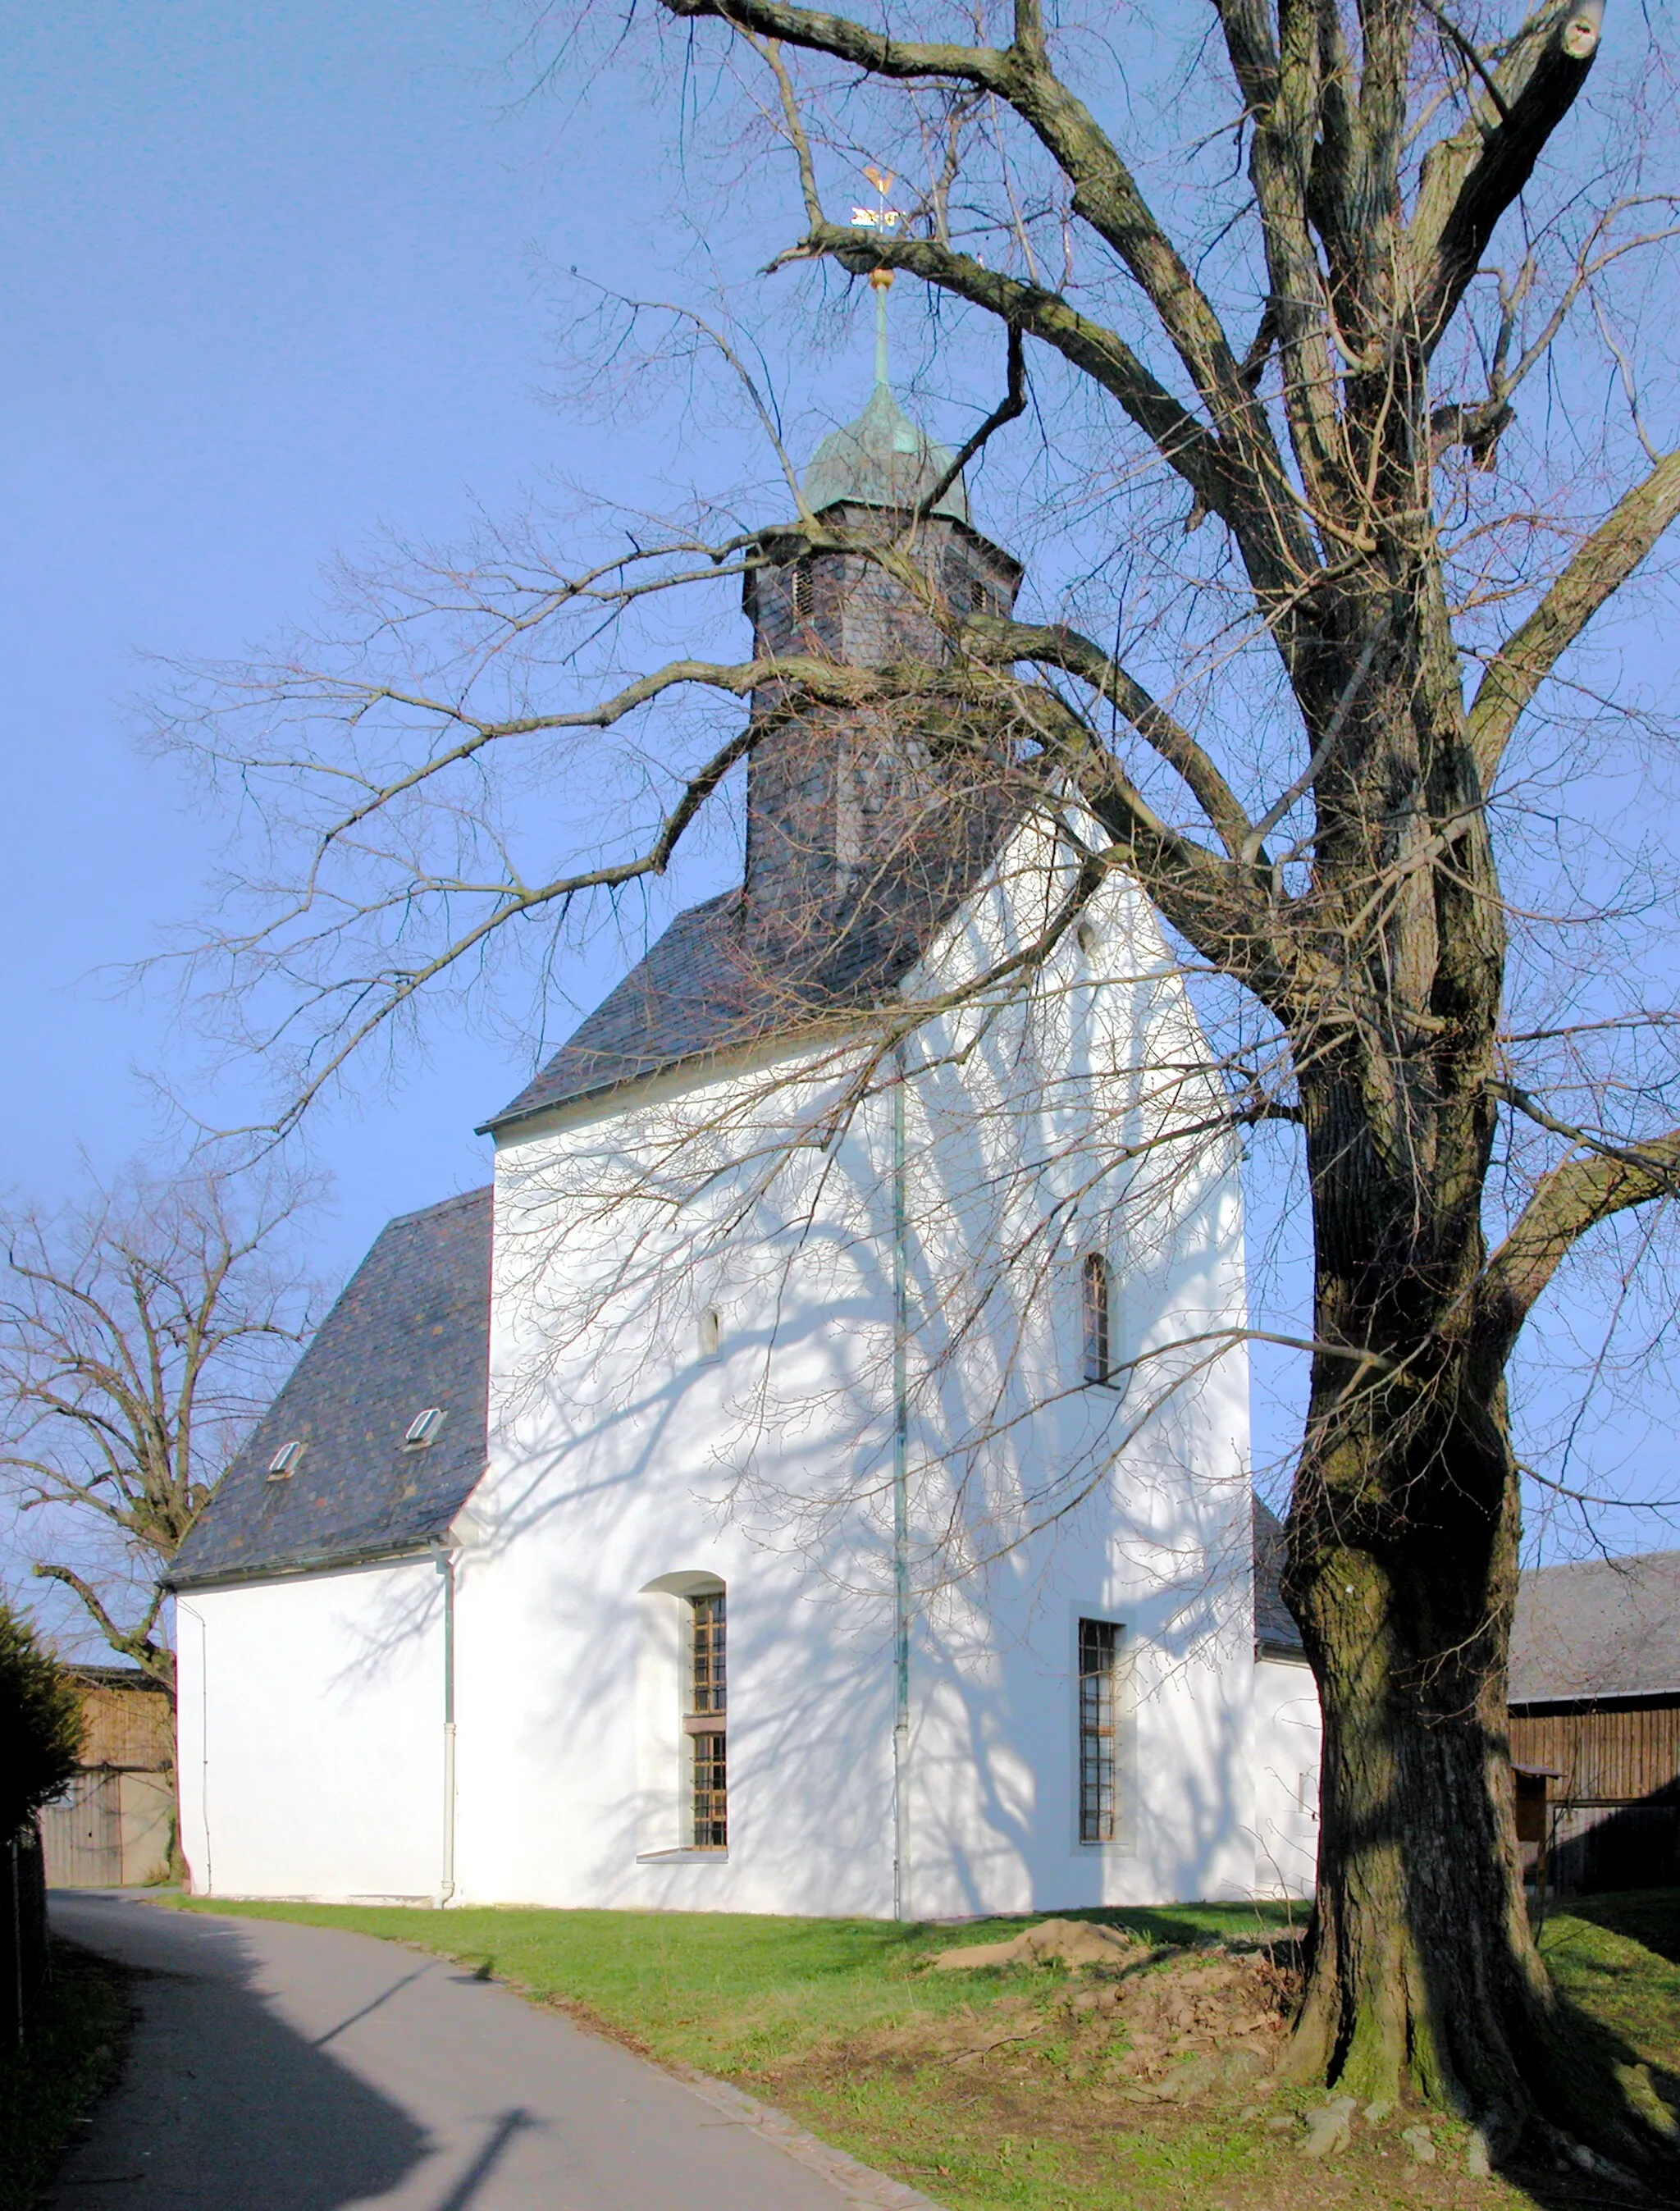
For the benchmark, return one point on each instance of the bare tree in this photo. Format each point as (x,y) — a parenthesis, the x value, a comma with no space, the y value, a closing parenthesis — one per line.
(140,1335)
(1317,677)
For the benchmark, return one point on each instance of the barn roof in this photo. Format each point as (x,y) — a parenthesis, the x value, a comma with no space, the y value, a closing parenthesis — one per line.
(410,1330)
(1603,1627)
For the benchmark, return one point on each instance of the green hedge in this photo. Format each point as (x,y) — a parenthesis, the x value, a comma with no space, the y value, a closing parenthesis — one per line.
(41,1724)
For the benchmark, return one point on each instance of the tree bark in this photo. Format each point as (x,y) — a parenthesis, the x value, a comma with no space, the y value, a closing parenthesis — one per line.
(1423,1973)
(1423,1976)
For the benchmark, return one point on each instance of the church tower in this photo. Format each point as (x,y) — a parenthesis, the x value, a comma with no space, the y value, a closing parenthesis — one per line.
(836,796)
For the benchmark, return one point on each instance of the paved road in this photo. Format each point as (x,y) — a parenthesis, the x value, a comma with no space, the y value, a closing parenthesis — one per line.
(276,2067)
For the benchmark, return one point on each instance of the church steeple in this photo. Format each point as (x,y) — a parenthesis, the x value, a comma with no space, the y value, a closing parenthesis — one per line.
(882,460)
(828,791)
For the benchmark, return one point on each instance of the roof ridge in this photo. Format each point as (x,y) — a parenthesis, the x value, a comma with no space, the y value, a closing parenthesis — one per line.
(1619,1564)
(472,1197)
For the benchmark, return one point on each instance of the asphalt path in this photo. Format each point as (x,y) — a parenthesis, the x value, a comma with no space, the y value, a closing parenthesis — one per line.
(276,2067)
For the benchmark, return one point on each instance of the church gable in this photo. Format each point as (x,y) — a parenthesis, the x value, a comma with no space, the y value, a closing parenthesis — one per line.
(867,828)
(711,986)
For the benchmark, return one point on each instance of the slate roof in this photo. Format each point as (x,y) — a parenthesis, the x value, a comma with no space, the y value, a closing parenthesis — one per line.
(1275,1635)
(1605,1627)
(411,1329)
(712,984)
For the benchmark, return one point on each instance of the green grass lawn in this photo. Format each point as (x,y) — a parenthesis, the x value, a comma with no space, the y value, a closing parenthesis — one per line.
(1613,1957)
(987,2090)
(75,2035)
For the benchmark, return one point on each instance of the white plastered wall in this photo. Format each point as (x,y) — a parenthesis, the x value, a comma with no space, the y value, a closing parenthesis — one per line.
(1149,1486)
(1285,1756)
(600,1512)
(310,1746)
(624,1461)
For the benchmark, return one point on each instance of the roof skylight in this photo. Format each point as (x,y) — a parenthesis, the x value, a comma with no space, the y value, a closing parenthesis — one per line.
(285,1460)
(423,1428)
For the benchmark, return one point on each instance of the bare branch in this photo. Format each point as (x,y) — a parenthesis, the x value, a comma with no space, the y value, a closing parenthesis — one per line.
(1603,564)
(1578,1195)
(1470,178)
(1061,647)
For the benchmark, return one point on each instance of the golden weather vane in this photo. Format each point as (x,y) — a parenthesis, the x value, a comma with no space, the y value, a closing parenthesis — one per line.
(883,218)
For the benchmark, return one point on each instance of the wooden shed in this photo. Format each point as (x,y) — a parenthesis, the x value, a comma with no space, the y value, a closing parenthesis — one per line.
(1595,1708)
(114,1827)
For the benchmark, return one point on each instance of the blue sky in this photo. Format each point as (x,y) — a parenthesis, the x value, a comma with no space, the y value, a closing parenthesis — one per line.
(270,283)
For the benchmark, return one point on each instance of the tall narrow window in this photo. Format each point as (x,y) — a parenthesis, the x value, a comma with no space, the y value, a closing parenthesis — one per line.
(1099,1662)
(805,599)
(706,1724)
(1095,1301)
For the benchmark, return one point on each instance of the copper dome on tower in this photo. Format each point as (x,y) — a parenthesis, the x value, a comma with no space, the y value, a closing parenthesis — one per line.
(882,460)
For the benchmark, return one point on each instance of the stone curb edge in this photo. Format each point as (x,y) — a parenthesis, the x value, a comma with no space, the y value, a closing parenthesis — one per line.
(859,2184)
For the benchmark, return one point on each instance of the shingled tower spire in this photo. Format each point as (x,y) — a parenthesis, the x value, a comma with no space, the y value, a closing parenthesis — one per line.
(833,793)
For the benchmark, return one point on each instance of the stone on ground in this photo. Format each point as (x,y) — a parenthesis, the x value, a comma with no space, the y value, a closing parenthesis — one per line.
(1074,1943)
(1329,2127)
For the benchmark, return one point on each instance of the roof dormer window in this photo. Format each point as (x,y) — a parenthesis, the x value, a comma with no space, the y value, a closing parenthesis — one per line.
(285,1460)
(423,1428)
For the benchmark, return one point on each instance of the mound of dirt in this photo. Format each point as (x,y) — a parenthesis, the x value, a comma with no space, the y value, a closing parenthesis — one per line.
(1225,2014)
(1073,1942)
(1155,2024)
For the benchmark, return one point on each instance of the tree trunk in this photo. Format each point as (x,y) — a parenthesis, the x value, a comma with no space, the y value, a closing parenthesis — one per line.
(1423,1975)
(1423,1971)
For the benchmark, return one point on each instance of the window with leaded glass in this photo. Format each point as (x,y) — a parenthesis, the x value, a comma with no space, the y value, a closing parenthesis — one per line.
(710,1676)
(706,1724)
(1095,1302)
(711,1792)
(1099,1700)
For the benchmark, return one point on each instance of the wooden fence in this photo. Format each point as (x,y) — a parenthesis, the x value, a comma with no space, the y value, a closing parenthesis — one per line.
(1614,1792)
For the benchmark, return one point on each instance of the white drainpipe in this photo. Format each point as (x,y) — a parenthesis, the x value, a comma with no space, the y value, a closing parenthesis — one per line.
(446,1568)
(901,1534)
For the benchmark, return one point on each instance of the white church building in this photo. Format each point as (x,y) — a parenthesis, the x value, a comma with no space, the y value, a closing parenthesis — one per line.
(814,1477)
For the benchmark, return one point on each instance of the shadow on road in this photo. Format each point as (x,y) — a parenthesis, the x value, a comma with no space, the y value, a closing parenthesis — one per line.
(221,2103)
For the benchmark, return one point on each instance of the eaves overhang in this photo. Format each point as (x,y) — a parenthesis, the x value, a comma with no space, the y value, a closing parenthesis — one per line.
(713,1060)
(1587,1700)
(309,1567)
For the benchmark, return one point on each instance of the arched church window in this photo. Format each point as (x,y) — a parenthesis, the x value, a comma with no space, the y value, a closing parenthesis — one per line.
(1095,1301)
(712,1332)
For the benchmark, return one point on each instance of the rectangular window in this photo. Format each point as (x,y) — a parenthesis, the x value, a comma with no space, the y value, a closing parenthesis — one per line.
(710,1675)
(708,1704)
(1099,1667)
(712,1793)
(1095,1315)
